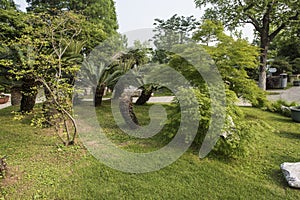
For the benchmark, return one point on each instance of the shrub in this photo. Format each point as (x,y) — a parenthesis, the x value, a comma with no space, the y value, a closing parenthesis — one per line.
(237,132)
(281,107)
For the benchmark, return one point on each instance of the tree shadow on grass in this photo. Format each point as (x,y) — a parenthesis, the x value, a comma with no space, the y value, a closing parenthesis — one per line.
(282,119)
(289,135)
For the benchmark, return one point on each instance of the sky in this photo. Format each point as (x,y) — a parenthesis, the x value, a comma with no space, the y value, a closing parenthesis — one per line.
(133,14)
(140,14)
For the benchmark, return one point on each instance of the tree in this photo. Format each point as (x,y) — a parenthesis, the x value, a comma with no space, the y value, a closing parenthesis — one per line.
(287,48)
(140,55)
(233,57)
(100,69)
(48,54)
(100,17)
(12,26)
(208,32)
(268,17)
(99,76)
(175,30)
(7,4)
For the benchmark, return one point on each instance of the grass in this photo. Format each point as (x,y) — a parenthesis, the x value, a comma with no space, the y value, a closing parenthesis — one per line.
(40,168)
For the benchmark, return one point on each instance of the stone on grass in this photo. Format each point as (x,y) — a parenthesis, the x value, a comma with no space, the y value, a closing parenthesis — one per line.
(291,172)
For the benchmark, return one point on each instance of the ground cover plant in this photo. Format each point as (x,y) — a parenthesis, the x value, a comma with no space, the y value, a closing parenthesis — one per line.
(39,167)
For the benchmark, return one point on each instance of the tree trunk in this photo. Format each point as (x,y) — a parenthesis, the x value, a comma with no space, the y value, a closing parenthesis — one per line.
(145,96)
(264,45)
(49,109)
(126,108)
(28,95)
(262,70)
(99,95)
(16,96)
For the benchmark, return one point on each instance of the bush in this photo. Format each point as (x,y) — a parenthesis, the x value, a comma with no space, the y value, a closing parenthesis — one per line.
(237,133)
(281,107)
(241,141)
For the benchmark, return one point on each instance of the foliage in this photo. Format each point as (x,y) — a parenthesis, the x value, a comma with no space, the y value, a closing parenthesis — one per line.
(175,30)
(12,26)
(100,68)
(282,66)
(269,18)
(7,4)
(287,47)
(233,58)
(281,107)
(48,54)
(100,17)
(237,134)
(296,65)
(208,32)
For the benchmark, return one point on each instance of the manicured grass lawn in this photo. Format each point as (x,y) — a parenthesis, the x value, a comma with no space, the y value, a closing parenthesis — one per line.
(40,168)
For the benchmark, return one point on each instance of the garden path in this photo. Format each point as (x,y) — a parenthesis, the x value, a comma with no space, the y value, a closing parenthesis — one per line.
(289,95)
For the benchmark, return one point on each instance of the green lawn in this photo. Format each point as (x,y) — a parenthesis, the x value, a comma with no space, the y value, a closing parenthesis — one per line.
(40,168)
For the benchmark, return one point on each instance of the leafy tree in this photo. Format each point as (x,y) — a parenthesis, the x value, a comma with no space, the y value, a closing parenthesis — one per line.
(208,32)
(7,4)
(296,65)
(170,32)
(100,69)
(282,66)
(48,54)
(268,17)
(175,30)
(12,25)
(287,48)
(100,23)
(234,58)
(99,75)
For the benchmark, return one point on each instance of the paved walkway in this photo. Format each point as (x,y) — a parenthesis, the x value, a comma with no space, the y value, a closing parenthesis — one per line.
(289,95)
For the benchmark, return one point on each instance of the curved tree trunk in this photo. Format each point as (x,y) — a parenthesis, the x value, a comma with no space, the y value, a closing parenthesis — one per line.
(16,96)
(126,108)
(99,95)
(145,96)
(29,94)
(49,109)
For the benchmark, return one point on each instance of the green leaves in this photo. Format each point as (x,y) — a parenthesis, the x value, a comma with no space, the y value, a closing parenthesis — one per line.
(176,30)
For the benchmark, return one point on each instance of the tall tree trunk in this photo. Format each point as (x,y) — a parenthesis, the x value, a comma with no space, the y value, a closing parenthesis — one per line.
(99,95)
(126,108)
(29,93)
(145,96)
(263,64)
(16,96)
(264,45)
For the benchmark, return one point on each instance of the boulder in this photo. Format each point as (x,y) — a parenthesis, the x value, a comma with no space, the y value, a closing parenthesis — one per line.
(291,172)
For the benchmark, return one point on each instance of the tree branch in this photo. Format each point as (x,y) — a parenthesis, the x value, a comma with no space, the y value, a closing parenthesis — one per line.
(60,107)
(282,26)
(254,22)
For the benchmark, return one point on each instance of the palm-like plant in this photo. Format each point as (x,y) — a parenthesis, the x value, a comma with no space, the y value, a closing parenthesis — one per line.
(99,76)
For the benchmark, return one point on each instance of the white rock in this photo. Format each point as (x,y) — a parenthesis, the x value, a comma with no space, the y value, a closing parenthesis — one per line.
(291,172)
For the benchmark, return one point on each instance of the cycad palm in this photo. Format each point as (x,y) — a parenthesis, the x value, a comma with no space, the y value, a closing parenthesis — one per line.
(98,76)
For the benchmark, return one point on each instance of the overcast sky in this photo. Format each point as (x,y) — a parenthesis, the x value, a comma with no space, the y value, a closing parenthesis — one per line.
(138,14)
